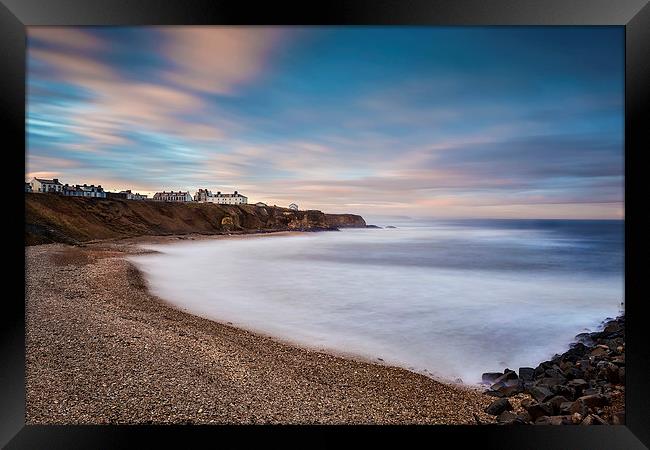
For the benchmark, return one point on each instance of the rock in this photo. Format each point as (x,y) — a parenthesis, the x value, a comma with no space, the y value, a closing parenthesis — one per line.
(592,391)
(611,372)
(553,373)
(553,420)
(498,406)
(526,373)
(565,408)
(540,393)
(506,417)
(593,419)
(594,401)
(578,407)
(612,327)
(576,418)
(524,417)
(621,375)
(548,381)
(578,385)
(600,350)
(555,403)
(490,377)
(583,404)
(585,338)
(573,373)
(565,391)
(618,418)
(537,410)
(508,375)
(578,349)
(509,391)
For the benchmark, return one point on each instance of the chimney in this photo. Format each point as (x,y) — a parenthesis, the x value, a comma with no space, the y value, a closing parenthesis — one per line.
(56,180)
(235,192)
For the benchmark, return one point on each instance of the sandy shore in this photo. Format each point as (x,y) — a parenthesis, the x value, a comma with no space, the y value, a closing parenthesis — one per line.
(101,349)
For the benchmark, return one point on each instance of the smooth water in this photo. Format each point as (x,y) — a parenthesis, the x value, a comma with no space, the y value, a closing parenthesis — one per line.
(452,299)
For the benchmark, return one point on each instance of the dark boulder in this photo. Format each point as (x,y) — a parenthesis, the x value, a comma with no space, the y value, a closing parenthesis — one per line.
(540,393)
(565,408)
(490,377)
(564,390)
(553,420)
(579,385)
(555,403)
(548,381)
(537,410)
(508,375)
(498,406)
(594,401)
(526,373)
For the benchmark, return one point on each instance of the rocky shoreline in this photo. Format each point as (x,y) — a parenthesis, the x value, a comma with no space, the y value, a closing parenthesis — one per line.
(583,386)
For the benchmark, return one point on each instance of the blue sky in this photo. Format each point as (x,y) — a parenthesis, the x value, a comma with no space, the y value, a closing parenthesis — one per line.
(410,121)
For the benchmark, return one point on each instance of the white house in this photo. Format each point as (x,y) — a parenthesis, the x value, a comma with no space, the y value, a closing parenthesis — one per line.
(203,195)
(45,185)
(172,196)
(84,190)
(133,195)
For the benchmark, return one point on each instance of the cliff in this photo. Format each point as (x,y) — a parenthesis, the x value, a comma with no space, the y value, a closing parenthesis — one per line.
(53,218)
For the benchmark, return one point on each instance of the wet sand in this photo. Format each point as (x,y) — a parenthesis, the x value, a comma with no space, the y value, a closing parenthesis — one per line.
(101,349)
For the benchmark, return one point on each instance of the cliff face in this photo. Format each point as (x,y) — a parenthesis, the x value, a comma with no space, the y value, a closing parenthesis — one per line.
(345,221)
(53,218)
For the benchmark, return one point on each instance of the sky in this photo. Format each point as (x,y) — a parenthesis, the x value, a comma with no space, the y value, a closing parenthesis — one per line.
(463,122)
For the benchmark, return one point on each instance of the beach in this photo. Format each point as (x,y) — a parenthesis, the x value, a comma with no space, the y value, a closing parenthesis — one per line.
(102,349)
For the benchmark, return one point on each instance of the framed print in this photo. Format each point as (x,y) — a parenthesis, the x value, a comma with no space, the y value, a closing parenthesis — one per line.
(404,219)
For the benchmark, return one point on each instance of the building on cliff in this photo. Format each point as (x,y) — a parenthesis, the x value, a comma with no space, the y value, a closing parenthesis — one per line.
(172,196)
(45,185)
(83,191)
(204,195)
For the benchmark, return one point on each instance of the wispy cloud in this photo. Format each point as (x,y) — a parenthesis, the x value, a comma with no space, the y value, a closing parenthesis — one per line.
(218,59)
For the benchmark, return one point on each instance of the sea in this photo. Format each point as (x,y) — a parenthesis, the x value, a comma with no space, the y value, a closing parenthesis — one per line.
(450,299)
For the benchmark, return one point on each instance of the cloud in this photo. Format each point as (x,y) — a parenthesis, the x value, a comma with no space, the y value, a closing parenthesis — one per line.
(218,59)
(65,37)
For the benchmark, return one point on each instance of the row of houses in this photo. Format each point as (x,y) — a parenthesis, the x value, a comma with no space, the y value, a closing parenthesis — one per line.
(43,185)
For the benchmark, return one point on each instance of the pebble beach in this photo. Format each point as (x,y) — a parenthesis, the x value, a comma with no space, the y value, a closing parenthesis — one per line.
(101,349)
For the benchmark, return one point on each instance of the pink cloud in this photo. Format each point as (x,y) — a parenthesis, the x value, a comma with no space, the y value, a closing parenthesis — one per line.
(219,59)
(71,38)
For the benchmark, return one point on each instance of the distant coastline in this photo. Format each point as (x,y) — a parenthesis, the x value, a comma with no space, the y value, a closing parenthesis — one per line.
(51,218)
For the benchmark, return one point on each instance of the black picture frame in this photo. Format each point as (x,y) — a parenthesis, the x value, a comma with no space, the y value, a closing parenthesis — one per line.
(634,15)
